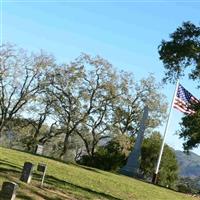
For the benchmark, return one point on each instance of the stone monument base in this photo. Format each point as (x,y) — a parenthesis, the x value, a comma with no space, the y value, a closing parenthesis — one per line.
(127,171)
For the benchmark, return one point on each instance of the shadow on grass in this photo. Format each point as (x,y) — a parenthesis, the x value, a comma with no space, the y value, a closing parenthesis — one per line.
(37,155)
(45,196)
(35,193)
(57,182)
(52,158)
(9,174)
(8,171)
(9,164)
(87,168)
(21,195)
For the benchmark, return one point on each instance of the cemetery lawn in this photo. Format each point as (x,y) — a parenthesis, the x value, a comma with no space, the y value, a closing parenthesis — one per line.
(68,181)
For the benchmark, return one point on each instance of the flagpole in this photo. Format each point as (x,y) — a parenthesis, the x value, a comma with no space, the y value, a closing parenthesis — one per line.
(155,176)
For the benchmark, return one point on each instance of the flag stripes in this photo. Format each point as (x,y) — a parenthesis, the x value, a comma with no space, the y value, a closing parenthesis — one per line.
(183,99)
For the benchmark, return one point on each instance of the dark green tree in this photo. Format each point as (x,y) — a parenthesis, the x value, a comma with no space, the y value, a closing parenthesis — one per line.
(181,55)
(190,128)
(180,52)
(168,168)
(114,154)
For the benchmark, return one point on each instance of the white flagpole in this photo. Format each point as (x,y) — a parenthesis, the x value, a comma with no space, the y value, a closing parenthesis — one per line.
(154,180)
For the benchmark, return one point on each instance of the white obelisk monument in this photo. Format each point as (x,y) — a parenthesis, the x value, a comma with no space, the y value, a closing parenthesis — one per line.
(132,166)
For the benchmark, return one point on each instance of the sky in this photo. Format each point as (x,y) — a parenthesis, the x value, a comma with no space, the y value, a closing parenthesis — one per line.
(126,33)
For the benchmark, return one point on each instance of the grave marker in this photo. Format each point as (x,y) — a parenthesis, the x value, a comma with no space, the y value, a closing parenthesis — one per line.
(42,168)
(39,149)
(27,172)
(8,191)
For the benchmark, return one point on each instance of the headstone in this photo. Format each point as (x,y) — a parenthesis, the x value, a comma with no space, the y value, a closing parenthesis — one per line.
(132,166)
(8,191)
(27,172)
(42,168)
(39,149)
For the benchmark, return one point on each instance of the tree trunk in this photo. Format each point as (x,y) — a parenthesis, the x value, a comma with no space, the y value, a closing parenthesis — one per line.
(2,124)
(29,146)
(1,128)
(43,140)
(65,147)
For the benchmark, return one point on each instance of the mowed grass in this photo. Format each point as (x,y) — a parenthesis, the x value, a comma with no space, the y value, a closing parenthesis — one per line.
(67,181)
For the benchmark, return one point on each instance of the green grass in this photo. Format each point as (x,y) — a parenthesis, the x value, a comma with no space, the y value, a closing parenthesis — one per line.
(67,181)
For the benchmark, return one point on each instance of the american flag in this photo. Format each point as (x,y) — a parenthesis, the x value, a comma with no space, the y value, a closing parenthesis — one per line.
(183,99)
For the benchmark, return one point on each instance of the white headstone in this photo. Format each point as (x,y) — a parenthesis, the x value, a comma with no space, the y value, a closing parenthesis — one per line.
(39,149)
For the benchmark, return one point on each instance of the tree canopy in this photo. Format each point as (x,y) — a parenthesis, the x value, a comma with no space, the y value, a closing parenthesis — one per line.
(21,80)
(182,51)
(190,128)
(87,98)
(180,56)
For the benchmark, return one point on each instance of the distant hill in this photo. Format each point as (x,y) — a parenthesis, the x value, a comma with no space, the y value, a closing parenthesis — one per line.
(189,165)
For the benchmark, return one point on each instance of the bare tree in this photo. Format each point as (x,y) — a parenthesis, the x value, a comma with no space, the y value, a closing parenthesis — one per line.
(39,119)
(84,91)
(64,87)
(20,80)
(101,89)
(129,107)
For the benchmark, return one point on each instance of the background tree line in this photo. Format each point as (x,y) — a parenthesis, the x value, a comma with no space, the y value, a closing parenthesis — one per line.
(82,111)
